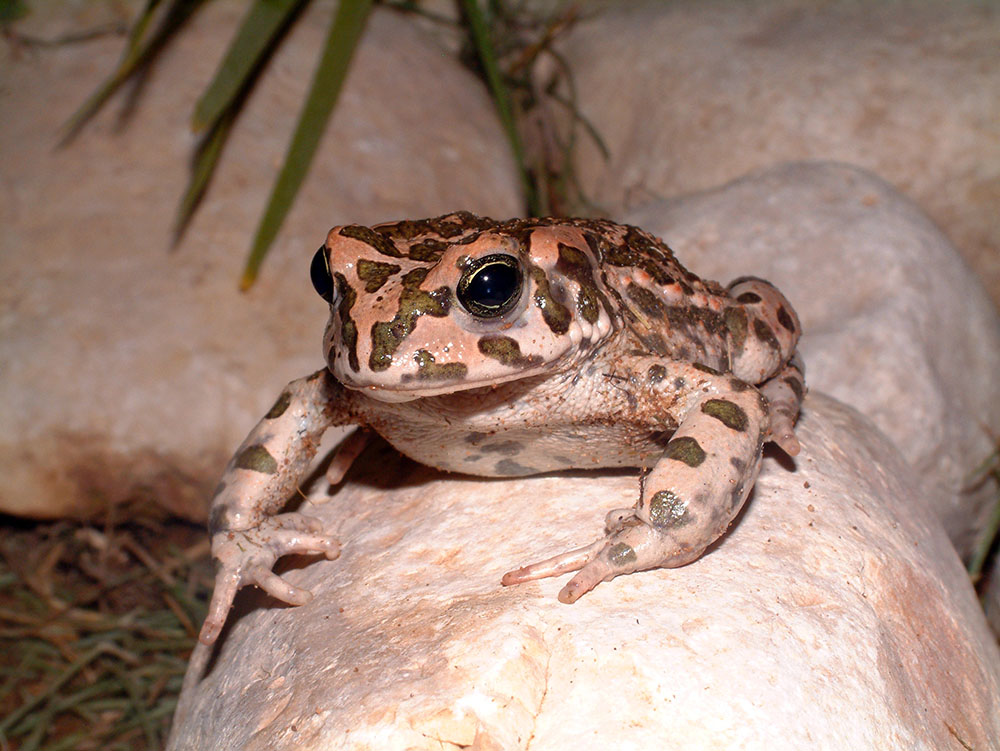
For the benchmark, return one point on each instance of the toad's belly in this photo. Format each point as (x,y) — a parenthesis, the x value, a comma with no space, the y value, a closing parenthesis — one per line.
(519,452)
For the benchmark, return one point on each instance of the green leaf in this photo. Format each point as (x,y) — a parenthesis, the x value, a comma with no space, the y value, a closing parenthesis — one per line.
(202,169)
(137,56)
(12,10)
(345,31)
(479,29)
(262,26)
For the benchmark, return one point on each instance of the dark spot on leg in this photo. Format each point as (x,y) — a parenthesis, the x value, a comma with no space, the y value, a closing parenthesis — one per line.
(795,385)
(763,332)
(475,437)
(666,509)
(748,298)
(728,413)
(279,406)
(785,319)
(257,459)
(738,464)
(685,449)
(621,555)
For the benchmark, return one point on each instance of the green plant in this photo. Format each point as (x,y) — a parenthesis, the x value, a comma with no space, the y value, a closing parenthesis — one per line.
(502,44)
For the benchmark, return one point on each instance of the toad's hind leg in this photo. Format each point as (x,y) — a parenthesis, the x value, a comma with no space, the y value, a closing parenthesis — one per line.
(689,498)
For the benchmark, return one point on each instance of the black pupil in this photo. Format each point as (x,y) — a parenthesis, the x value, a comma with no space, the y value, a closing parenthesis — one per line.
(319,271)
(491,289)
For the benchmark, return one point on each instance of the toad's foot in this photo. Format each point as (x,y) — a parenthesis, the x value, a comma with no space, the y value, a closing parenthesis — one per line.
(631,545)
(246,556)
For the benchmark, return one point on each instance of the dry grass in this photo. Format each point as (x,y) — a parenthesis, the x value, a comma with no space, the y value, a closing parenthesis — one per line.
(96,627)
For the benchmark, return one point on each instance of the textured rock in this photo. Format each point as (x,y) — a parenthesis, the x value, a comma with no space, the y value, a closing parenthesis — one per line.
(834,614)
(128,371)
(704,92)
(895,323)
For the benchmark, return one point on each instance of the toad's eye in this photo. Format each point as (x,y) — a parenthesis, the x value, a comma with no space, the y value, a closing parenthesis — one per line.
(490,286)
(320,272)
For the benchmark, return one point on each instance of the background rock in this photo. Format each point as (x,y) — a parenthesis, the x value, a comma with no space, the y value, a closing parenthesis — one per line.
(895,323)
(128,371)
(834,614)
(704,92)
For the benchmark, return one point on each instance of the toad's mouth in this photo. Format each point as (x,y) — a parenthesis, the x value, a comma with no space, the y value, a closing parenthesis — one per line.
(421,388)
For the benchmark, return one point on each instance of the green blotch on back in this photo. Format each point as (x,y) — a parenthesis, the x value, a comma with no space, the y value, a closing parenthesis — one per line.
(257,459)
(728,413)
(736,323)
(685,449)
(650,305)
(367,235)
(428,251)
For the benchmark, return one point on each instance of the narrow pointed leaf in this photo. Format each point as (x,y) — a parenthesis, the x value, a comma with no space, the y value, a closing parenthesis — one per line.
(136,57)
(345,31)
(261,28)
(479,30)
(202,169)
(138,31)
(12,10)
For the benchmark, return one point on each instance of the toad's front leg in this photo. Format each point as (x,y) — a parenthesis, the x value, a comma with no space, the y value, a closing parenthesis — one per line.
(248,535)
(690,496)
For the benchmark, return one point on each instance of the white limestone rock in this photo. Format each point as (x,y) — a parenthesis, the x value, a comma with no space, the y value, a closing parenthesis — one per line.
(128,371)
(687,96)
(834,614)
(895,323)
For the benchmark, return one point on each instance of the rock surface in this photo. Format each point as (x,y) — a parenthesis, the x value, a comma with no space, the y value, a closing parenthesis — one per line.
(895,323)
(834,614)
(130,372)
(704,92)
